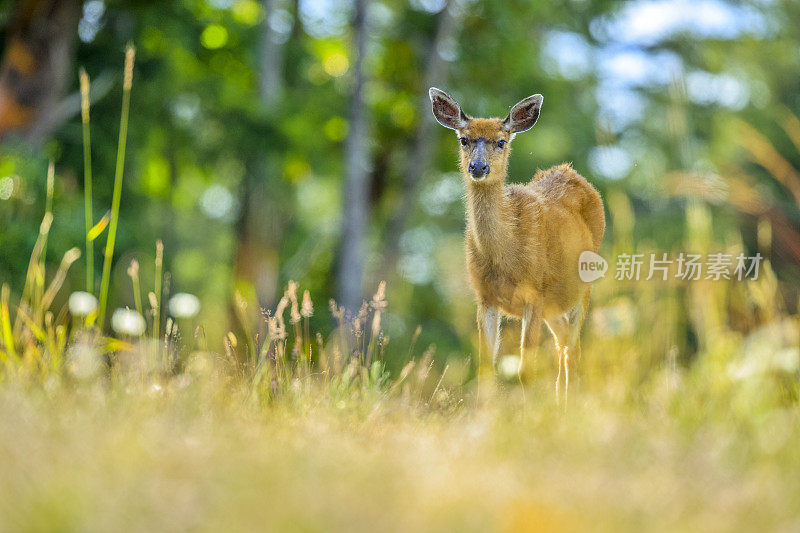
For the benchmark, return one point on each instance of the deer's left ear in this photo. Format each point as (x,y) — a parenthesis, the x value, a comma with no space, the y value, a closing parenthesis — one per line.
(524,114)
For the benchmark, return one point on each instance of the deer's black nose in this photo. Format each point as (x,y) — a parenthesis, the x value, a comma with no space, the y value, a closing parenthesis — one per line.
(479,167)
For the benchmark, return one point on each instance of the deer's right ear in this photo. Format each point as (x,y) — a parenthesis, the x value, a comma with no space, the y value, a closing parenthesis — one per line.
(446,110)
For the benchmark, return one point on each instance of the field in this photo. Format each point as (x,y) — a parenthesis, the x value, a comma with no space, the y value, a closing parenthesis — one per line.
(159,436)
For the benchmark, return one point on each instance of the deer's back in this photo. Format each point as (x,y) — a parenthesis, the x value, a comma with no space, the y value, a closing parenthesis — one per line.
(561,189)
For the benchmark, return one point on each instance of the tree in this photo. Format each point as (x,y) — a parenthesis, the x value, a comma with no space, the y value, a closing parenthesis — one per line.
(356,193)
(36,65)
(420,161)
(259,229)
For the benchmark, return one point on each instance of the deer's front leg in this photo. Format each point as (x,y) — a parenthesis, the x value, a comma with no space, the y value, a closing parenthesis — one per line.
(489,328)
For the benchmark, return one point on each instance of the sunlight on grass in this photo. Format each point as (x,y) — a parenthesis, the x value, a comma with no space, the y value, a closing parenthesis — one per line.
(180,437)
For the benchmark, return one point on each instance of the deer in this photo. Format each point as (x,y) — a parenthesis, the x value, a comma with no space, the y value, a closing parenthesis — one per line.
(523,241)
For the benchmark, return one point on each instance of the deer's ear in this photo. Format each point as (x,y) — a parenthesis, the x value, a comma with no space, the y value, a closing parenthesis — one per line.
(524,114)
(446,110)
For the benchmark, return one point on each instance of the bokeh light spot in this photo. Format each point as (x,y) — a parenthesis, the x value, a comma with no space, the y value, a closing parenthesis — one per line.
(6,187)
(247,12)
(296,168)
(218,202)
(335,64)
(403,114)
(336,129)
(214,37)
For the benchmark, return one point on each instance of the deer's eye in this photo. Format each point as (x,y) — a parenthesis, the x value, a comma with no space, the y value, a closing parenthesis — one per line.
(501,143)
(464,141)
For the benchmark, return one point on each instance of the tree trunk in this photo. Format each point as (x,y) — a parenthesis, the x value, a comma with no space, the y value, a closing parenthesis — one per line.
(36,66)
(420,160)
(260,228)
(271,80)
(356,191)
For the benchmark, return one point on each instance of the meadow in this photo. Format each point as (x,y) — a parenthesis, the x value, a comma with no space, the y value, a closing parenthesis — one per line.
(128,403)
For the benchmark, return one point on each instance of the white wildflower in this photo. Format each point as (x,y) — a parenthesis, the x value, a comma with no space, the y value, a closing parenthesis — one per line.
(82,303)
(508,366)
(128,322)
(184,305)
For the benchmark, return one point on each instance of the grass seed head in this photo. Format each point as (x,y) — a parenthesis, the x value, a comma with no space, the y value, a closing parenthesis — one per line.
(307,309)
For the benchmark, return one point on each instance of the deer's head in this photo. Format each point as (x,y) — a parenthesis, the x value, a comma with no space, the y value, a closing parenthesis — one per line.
(485,142)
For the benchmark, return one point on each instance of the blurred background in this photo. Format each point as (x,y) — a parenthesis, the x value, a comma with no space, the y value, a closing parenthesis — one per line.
(281,140)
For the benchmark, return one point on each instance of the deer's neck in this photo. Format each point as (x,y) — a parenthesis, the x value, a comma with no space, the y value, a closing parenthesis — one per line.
(488,217)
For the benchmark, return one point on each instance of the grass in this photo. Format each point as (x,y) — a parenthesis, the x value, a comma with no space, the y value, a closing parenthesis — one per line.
(209,448)
(120,167)
(87,179)
(284,428)
(309,432)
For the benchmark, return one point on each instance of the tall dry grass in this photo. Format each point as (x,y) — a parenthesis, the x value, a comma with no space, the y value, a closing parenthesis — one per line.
(288,428)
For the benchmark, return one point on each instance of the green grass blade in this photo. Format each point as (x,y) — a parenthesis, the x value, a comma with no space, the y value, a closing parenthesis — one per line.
(5,323)
(112,230)
(98,228)
(157,292)
(48,208)
(87,180)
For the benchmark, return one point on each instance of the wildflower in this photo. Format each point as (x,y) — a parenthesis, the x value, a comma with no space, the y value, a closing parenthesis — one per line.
(307,309)
(184,305)
(133,269)
(294,311)
(360,319)
(281,325)
(232,340)
(82,303)
(128,322)
(378,304)
(276,327)
(379,299)
(508,366)
(336,311)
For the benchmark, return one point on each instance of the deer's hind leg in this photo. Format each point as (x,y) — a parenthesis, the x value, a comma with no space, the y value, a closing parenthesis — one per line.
(530,328)
(566,330)
(559,328)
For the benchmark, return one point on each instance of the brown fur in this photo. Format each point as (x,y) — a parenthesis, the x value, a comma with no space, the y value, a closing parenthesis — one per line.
(523,242)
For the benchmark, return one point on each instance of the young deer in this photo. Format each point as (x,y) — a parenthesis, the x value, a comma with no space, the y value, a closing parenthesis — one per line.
(523,241)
